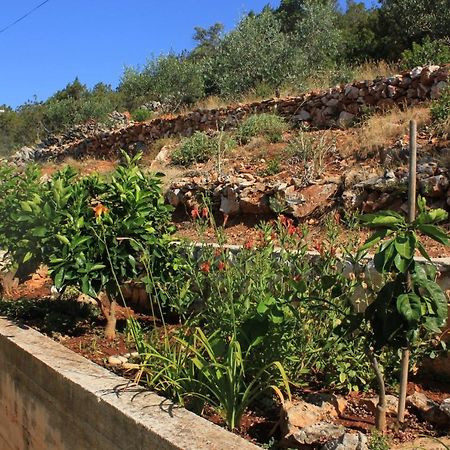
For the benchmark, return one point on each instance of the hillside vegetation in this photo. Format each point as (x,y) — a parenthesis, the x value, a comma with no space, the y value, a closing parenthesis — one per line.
(299,45)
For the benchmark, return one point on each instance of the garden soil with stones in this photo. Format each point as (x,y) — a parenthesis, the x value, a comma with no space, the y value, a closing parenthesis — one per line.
(83,333)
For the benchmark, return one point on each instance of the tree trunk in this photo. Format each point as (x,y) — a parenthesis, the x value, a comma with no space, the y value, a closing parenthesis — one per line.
(380,414)
(108,307)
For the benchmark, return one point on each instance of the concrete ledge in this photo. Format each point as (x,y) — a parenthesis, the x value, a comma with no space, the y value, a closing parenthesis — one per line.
(54,399)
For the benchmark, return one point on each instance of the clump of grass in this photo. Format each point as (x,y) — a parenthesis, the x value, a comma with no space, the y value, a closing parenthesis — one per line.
(142,114)
(201,147)
(272,168)
(311,148)
(270,126)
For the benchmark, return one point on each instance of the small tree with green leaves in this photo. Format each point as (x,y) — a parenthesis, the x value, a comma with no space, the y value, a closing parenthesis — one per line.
(410,302)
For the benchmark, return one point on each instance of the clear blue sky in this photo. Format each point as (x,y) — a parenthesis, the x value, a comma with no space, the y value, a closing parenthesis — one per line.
(95,39)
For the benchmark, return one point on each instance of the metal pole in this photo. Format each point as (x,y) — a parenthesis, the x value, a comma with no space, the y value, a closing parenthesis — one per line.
(411,216)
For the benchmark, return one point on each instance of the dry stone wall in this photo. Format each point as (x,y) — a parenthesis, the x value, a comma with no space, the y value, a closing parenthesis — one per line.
(335,107)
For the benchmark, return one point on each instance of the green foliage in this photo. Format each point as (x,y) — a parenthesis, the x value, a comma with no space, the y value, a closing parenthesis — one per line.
(428,53)
(142,114)
(195,369)
(358,31)
(19,211)
(272,168)
(255,52)
(378,441)
(440,108)
(85,229)
(411,301)
(269,126)
(316,40)
(195,149)
(402,22)
(173,80)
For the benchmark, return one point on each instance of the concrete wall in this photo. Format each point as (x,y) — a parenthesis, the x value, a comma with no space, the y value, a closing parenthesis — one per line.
(53,399)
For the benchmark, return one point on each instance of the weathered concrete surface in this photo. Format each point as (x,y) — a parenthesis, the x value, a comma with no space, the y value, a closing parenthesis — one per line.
(54,399)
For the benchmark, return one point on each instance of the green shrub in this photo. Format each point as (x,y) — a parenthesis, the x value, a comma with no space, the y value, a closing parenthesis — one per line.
(269,126)
(91,232)
(427,53)
(142,114)
(377,441)
(440,108)
(19,190)
(196,149)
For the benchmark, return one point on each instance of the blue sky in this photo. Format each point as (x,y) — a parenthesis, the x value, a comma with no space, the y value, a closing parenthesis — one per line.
(95,39)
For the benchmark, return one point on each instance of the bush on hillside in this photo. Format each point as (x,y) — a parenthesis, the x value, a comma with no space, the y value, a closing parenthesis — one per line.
(440,108)
(427,53)
(268,126)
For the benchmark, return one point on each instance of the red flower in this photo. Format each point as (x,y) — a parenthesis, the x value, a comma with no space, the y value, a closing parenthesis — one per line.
(205,212)
(283,219)
(291,230)
(195,213)
(249,244)
(319,247)
(221,266)
(205,267)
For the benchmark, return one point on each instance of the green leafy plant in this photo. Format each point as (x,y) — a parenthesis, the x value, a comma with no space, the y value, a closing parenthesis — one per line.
(86,231)
(272,168)
(19,211)
(142,114)
(269,126)
(198,148)
(410,302)
(427,53)
(377,441)
(440,108)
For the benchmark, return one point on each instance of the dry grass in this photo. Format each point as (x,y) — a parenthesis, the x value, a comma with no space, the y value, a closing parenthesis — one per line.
(383,129)
(371,70)
(84,166)
(211,102)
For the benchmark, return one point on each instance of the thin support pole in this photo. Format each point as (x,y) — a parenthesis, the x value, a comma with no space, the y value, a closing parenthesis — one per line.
(412,188)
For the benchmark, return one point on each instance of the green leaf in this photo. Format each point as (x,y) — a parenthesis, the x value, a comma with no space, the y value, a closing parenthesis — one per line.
(410,307)
(97,267)
(383,219)
(59,278)
(374,239)
(401,264)
(26,206)
(405,244)
(27,257)
(63,239)
(435,233)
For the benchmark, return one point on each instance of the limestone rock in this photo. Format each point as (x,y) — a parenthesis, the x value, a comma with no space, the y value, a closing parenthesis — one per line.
(229,202)
(315,435)
(391,404)
(350,441)
(429,410)
(315,197)
(345,119)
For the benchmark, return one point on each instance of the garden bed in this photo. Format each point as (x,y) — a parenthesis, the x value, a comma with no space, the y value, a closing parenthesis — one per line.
(104,411)
(79,328)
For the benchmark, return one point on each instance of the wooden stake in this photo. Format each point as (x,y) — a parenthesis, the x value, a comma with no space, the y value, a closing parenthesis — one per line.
(411,216)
